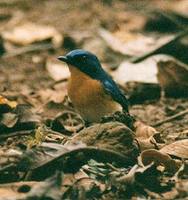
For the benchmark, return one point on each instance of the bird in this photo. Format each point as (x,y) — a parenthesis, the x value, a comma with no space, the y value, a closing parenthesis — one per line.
(92,91)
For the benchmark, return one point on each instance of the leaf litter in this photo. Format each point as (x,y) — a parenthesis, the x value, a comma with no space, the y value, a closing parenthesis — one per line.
(47,151)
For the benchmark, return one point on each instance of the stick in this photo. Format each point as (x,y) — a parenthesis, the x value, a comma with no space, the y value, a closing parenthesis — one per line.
(17,133)
(168,119)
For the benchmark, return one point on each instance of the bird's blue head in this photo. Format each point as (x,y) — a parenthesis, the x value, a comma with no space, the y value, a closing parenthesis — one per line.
(85,61)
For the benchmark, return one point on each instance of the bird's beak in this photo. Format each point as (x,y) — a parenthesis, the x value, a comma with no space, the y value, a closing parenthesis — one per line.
(63,58)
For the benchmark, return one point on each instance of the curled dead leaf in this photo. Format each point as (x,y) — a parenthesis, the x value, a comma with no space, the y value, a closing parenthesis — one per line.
(147,136)
(178,149)
(69,122)
(159,158)
(143,130)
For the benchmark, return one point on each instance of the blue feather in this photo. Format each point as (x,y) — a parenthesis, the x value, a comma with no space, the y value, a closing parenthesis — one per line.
(113,90)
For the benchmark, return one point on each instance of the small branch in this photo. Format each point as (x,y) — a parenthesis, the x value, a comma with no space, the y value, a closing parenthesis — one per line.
(168,119)
(14,134)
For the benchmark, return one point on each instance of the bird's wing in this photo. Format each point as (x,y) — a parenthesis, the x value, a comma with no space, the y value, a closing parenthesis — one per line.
(113,90)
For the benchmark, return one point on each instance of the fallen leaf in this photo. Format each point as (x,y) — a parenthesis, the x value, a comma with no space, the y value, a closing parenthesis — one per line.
(159,158)
(139,92)
(9,119)
(170,194)
(178,149)
(172,76)
(27,118)
(147,136)
(50,189)
(57,70)
(68,122)
(144,131)
(55,95)
(145,72)
(18,190)
(162,22)
(132,44)
(112,135)
(182,188)
(180,7)
(28,33)
(11,104)
(19,118)
(48,156)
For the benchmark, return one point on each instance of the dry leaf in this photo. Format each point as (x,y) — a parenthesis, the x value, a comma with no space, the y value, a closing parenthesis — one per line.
(29,33)
(159,158)
(49,189)
(68,122)
(182,188)
(9,119)
(172,76)
(144,131)
(145,72)
(112,135)
(131,44)
(57,70)
(147,136)
(54,95)
(178,149)
(3,100)
(170,194)
(15,190)
(139,92)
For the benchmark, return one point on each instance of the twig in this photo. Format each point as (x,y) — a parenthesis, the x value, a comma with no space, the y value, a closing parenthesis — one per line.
(27,49)
(158,50)
(17,133)
(168,119)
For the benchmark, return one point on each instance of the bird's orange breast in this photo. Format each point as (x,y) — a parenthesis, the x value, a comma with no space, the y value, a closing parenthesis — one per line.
(88,96)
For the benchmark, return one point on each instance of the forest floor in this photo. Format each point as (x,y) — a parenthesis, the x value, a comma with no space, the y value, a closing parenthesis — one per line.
(45,147)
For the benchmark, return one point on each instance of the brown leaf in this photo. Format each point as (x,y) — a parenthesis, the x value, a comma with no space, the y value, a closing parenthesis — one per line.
(182,188)
(42,156)
(3,100)
(17,190)
(159,158)
(55,95)
(29,33)
(68,122)
(139,92)
(9,119)
(147,136)
(144,131)
(172,76)
(50,189)
(112,135)
(57,70)
(178,149)
(131,44)
(145,72)
(6,105)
